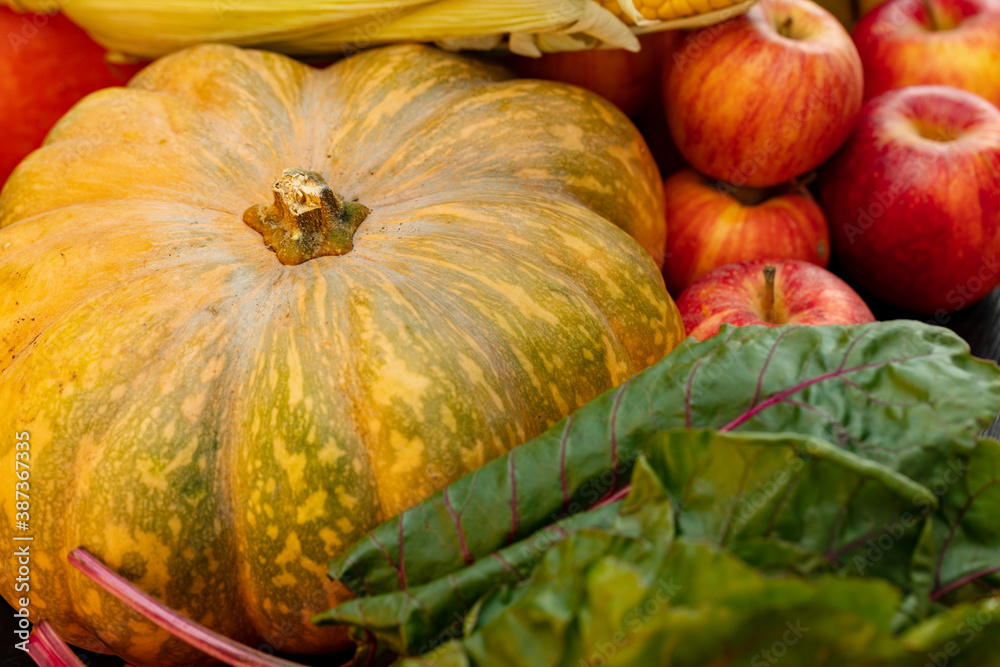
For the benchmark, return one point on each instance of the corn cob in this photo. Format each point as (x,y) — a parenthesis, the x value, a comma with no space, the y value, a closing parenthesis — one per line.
(152,28)
(638,11)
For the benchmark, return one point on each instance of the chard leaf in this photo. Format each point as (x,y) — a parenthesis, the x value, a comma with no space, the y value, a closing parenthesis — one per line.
(416,620)
(917,604)
(774,556)
(710,609)
(598,598)
(419,618)
(691,605)
(647,528)
(902,394)
(967,529)
(732,487)
(967,634)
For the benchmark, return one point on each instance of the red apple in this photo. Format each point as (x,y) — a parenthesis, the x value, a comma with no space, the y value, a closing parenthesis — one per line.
(765,97)
(769,293)
(946,42)
(710,223)
(629,80)
(914,199)
(46,65)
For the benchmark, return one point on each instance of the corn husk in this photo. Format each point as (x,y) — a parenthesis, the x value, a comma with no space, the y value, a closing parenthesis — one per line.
(152,28)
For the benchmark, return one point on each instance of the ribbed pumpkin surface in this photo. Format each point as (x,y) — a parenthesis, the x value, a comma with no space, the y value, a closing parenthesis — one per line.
(215,424)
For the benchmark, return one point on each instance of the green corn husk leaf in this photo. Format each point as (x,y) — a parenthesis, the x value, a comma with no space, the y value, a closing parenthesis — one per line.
(148,29)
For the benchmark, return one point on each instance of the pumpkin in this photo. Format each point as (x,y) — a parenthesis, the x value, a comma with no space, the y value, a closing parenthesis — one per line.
(45,48)
(250,309)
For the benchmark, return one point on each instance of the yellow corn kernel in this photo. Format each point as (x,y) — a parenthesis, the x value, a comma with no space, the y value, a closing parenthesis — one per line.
(668,9)
(681,9)
(614,7)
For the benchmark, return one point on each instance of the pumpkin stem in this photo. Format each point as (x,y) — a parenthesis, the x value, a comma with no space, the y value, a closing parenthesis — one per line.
(307,219)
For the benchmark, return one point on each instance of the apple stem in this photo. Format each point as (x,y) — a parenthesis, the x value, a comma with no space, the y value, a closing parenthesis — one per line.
(930,14)
(744,195)
(785,29)
(769,294)
(802,183)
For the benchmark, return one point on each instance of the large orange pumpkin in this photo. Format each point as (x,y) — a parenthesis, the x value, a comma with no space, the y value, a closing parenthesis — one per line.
(230,371)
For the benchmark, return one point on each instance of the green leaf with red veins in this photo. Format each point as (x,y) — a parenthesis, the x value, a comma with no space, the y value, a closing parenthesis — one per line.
(801,494)
(415,620)
(967,528)
(735,487)
(902,394)
(599,599)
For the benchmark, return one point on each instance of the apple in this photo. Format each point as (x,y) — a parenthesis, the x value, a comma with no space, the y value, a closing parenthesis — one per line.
(46,65)
(946,42)
(764,97)
(913,199)
(710,223)
(628,80)
(769,293)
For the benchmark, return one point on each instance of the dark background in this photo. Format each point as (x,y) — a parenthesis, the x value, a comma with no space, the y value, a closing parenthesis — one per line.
(979,325)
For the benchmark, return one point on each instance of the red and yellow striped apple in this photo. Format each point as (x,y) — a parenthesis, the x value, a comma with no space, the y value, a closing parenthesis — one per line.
(710,223)
(913,199)
(945,42)
(765,97)
(769,293)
